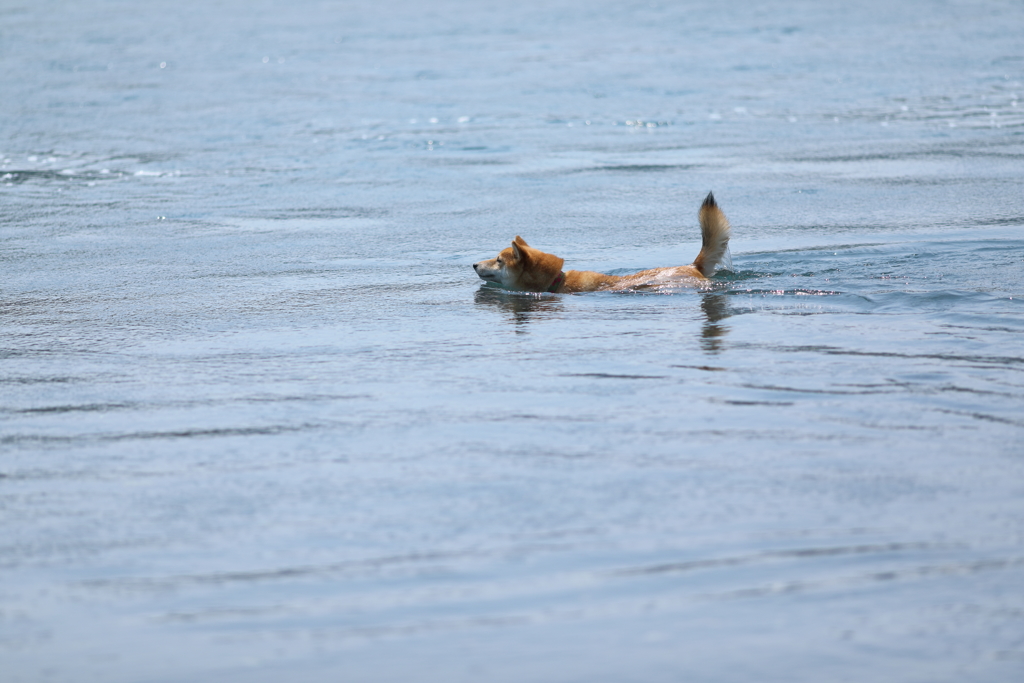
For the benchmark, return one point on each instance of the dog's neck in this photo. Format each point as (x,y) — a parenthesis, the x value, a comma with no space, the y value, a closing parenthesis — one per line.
(559,281)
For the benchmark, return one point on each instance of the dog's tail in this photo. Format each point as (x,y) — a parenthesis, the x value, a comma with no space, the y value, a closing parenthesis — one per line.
(714,232)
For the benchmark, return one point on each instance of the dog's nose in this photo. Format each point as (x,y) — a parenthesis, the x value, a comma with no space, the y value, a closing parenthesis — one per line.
(475,265)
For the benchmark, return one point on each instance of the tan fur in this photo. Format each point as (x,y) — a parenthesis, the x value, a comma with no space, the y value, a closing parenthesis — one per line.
(523,268)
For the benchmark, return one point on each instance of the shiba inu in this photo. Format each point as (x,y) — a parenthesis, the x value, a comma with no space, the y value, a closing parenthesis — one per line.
(523,268)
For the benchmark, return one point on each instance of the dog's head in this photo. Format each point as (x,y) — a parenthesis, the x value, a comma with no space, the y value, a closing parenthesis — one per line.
(521,267)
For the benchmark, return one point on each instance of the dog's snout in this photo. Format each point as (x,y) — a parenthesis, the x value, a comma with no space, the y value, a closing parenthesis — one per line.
(475,266)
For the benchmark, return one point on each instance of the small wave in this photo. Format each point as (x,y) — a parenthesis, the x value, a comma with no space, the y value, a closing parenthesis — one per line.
(156,435)
(370,565)
(787,292)
(19,176)
(605,375)
(832,551)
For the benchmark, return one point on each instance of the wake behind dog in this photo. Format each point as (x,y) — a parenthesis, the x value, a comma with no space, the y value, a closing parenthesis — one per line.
(522,268)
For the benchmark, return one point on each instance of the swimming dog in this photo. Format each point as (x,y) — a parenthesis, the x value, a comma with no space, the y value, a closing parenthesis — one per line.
(523,268)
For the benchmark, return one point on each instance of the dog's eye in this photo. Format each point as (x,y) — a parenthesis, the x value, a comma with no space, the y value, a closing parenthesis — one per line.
(499,261)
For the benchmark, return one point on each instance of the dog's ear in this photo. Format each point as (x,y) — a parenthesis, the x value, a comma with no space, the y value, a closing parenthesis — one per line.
(519,248)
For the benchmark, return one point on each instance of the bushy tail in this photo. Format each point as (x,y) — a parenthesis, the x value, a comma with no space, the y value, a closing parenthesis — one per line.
(714,231)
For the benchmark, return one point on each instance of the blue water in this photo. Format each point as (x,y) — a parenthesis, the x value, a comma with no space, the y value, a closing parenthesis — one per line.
(260,421)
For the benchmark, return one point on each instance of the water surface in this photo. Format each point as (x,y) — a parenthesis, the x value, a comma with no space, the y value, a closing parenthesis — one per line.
(259,420)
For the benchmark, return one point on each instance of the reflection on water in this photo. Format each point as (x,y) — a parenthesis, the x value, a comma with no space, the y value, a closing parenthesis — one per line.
(715,309)
(520,306)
